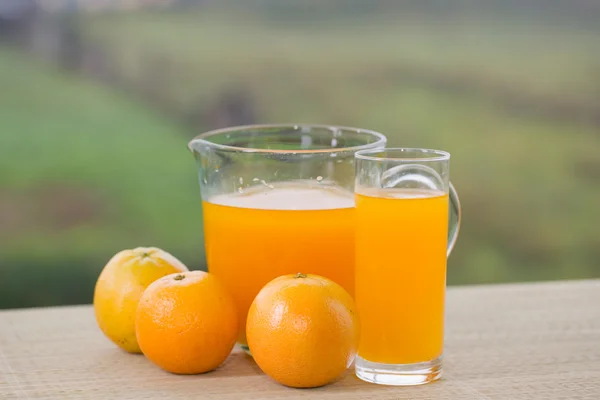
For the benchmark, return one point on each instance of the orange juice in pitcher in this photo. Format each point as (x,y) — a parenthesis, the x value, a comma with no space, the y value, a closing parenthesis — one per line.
(262,233)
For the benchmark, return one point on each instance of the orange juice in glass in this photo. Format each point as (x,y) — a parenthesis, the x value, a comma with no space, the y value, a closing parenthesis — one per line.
(402,219)
(278,199)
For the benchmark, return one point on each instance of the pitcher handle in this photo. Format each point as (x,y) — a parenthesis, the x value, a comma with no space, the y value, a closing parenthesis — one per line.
(454,218)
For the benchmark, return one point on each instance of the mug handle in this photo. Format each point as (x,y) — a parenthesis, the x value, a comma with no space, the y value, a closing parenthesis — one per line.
(454,218)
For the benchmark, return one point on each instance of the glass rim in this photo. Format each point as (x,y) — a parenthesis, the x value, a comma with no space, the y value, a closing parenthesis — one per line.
(429,155)
(203,138)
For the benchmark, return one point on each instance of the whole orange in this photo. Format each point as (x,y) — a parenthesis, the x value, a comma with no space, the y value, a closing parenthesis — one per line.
(303,330)
(186,323)
(120,286)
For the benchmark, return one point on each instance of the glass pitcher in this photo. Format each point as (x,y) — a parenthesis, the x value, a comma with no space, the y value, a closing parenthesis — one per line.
(278,199)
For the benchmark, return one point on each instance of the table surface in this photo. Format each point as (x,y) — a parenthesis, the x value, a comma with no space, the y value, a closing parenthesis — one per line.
(517,341)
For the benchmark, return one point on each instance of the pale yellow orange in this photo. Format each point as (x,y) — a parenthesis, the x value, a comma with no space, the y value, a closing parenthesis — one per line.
(120,286)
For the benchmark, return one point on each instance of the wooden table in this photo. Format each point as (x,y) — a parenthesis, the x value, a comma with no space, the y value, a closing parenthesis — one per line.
(513,342)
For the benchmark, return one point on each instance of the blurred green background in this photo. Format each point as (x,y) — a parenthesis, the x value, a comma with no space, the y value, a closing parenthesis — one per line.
(98,100)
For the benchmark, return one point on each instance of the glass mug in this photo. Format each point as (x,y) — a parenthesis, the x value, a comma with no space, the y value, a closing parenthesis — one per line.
(404,206)
(278,199)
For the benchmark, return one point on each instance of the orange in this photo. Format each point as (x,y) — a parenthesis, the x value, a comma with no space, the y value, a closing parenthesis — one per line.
(186,323)
(120,286)
(303,330)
